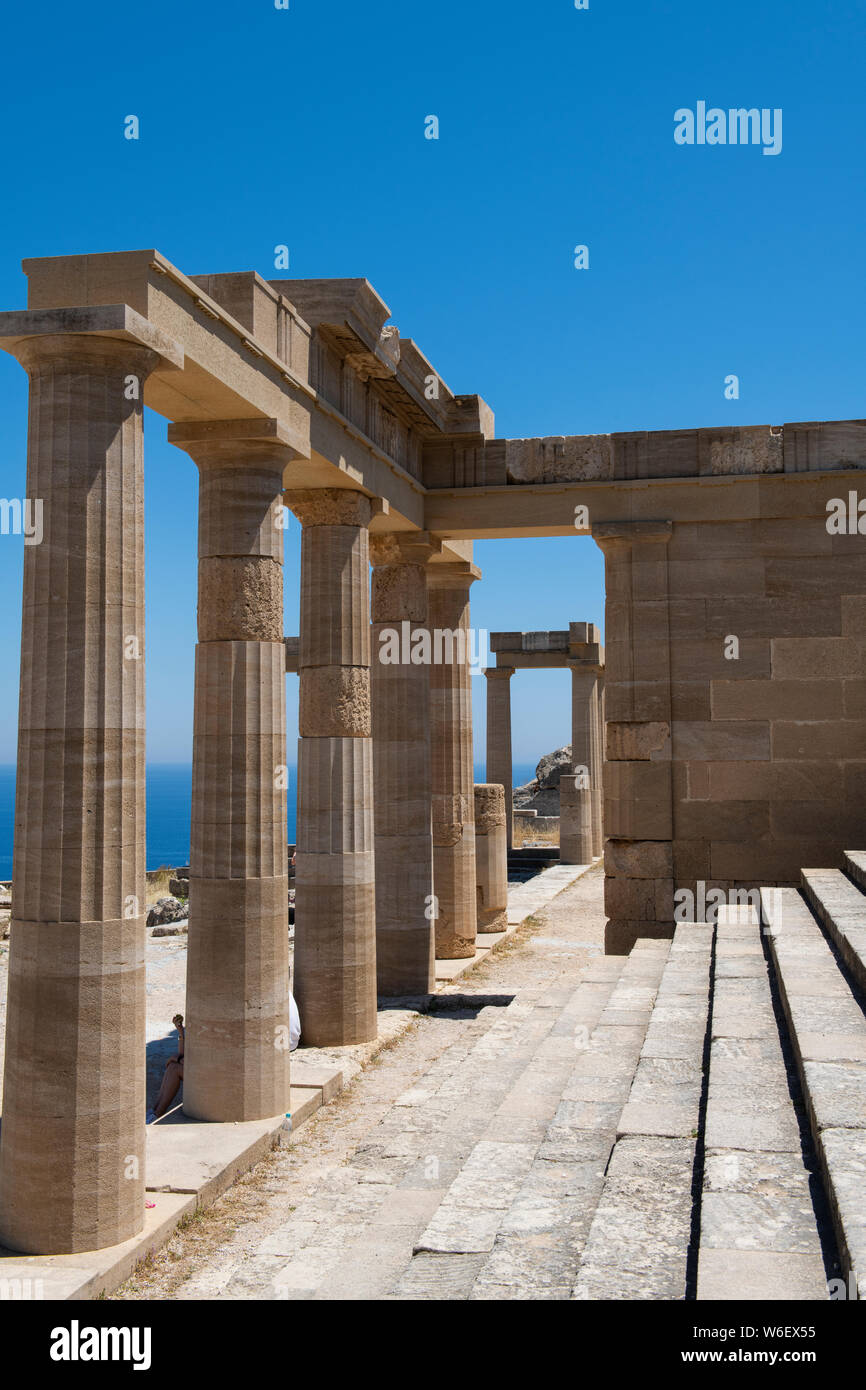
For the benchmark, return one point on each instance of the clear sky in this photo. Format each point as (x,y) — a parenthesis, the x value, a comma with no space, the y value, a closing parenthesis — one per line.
(306,126)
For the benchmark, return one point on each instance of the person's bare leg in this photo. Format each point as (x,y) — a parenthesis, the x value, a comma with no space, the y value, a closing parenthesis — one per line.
(169,1088)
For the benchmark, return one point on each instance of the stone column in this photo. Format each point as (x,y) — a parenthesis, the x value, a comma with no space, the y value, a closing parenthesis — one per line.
(453,781)
(598,767)
(499,737)
(236,1060)
(72,1152)
(335,896)
(491,857)
(577,790)
(638,792)
(400,691)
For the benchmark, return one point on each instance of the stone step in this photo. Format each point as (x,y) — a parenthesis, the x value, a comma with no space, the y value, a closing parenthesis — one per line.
(828,1035)
(854,864)
(638,1244)
(530,1223)
(758,1230)
(840,907)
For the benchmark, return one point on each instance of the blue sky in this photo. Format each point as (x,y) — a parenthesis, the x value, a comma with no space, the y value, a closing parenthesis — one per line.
(306,127)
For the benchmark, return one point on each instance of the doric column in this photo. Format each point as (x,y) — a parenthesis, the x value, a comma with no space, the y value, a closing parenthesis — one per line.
(576,790)
(236,1059)
(335,910)
(598,766)
(72,1152)
(451,738)
(638,793)
(499,737)
(491,857)
(400,692)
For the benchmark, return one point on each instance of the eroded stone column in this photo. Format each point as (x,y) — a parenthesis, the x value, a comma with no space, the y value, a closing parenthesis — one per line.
(451,741)
(335,908)
(491,857)
(400,692)
(237,1057)
(499,767)
(72,1152)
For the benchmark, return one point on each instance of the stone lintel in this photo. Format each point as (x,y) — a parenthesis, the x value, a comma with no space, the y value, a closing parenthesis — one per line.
(628,532)
(19,327)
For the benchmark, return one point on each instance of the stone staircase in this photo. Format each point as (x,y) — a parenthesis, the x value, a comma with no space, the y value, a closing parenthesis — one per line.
(817,941)
(708,1140)
(687,1122)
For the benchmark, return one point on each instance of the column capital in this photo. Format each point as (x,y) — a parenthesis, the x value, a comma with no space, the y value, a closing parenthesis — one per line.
(452,574)
(102,334)
(610,534)
(500,672)
(403,548)
(330,506)
(586,668)
(233,443)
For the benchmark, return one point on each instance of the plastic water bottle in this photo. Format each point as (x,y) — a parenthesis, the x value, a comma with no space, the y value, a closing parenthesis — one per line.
(285,1137)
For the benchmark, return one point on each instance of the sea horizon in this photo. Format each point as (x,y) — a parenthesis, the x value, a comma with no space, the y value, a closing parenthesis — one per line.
(169,798)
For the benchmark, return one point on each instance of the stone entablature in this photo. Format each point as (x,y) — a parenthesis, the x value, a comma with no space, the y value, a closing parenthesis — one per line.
(736,451)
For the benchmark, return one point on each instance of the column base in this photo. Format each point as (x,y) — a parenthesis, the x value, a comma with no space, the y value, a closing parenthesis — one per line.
(72,1150)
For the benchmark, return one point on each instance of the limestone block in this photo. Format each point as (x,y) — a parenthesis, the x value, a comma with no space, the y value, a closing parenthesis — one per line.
(843,738)
(776,699)
(721,741)
(648,859)
(629,742)
(639,899)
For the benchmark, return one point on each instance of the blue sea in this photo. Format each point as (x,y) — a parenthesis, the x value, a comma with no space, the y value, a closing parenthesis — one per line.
(169,794)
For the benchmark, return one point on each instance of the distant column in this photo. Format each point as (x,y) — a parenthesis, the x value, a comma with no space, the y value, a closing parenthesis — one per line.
(400,691)
(236,1060)
(72,1153)
(598,767)
(491,857)
(499,767)
(577,796)
(335,895)
(453,781)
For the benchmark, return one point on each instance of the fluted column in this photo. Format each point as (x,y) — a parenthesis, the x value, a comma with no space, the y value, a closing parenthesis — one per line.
(400,695)
(237,1057)
(577,792)
(597,766)
(499,768)
(335,909)
(451,740)
(72,1151)
(491,857)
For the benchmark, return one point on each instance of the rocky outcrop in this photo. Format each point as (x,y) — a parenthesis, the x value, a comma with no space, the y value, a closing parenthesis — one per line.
(542,793)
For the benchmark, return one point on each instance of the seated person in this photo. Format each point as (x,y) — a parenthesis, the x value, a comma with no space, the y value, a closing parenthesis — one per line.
(173,1074)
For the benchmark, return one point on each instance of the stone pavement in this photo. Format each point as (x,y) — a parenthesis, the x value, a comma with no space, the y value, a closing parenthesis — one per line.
(462,1106)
